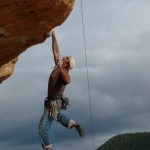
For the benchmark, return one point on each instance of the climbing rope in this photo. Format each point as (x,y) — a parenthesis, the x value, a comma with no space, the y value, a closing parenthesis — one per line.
(53,138)
(84,41)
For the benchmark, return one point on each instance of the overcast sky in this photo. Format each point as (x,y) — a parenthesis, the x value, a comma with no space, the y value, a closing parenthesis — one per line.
(117,39)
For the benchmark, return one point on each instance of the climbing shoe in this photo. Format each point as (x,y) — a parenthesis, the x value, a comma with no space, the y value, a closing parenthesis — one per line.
(80,130)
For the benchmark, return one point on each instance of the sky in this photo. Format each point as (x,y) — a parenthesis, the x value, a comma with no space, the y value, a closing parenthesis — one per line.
(114,98)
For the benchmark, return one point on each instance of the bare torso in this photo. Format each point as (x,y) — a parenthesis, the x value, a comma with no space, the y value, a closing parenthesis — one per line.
(56,84)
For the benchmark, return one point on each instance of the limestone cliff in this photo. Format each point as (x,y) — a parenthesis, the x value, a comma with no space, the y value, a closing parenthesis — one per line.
(25,23)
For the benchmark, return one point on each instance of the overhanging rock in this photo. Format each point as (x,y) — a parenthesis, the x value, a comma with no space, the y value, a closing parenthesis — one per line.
(25,23)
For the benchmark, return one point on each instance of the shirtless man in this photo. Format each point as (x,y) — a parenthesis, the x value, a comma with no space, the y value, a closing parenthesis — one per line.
(55,101)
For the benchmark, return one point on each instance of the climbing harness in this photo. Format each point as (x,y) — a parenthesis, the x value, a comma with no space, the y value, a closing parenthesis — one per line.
(55,103)
(84,41)
(65,103)
(51,106)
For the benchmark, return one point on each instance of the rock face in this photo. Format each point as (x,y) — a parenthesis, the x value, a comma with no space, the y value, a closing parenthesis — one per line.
(7,69)
(25,23)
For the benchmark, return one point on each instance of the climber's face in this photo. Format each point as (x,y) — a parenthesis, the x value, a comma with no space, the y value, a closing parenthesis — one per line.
(66,62)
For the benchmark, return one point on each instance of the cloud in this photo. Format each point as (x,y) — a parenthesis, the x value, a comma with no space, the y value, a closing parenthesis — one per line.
(117,40)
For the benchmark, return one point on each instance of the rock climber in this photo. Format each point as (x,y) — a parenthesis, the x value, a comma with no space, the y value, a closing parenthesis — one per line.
(55,102)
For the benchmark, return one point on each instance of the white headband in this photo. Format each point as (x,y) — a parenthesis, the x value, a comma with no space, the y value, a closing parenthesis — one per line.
(72,62)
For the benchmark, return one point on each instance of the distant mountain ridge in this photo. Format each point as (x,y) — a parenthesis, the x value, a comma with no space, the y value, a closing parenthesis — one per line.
(128,141)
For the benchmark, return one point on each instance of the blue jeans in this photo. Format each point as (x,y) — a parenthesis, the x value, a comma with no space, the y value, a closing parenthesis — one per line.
(45,126)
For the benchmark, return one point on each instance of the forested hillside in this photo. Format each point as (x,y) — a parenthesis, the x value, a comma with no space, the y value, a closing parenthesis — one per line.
(129,141)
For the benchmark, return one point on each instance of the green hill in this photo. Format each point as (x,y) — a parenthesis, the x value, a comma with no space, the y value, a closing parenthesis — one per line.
(128,141)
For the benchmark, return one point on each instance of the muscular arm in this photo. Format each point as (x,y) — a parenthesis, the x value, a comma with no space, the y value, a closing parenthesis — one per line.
(55,48)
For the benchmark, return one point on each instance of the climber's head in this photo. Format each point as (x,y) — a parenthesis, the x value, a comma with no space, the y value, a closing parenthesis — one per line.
(68,62)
